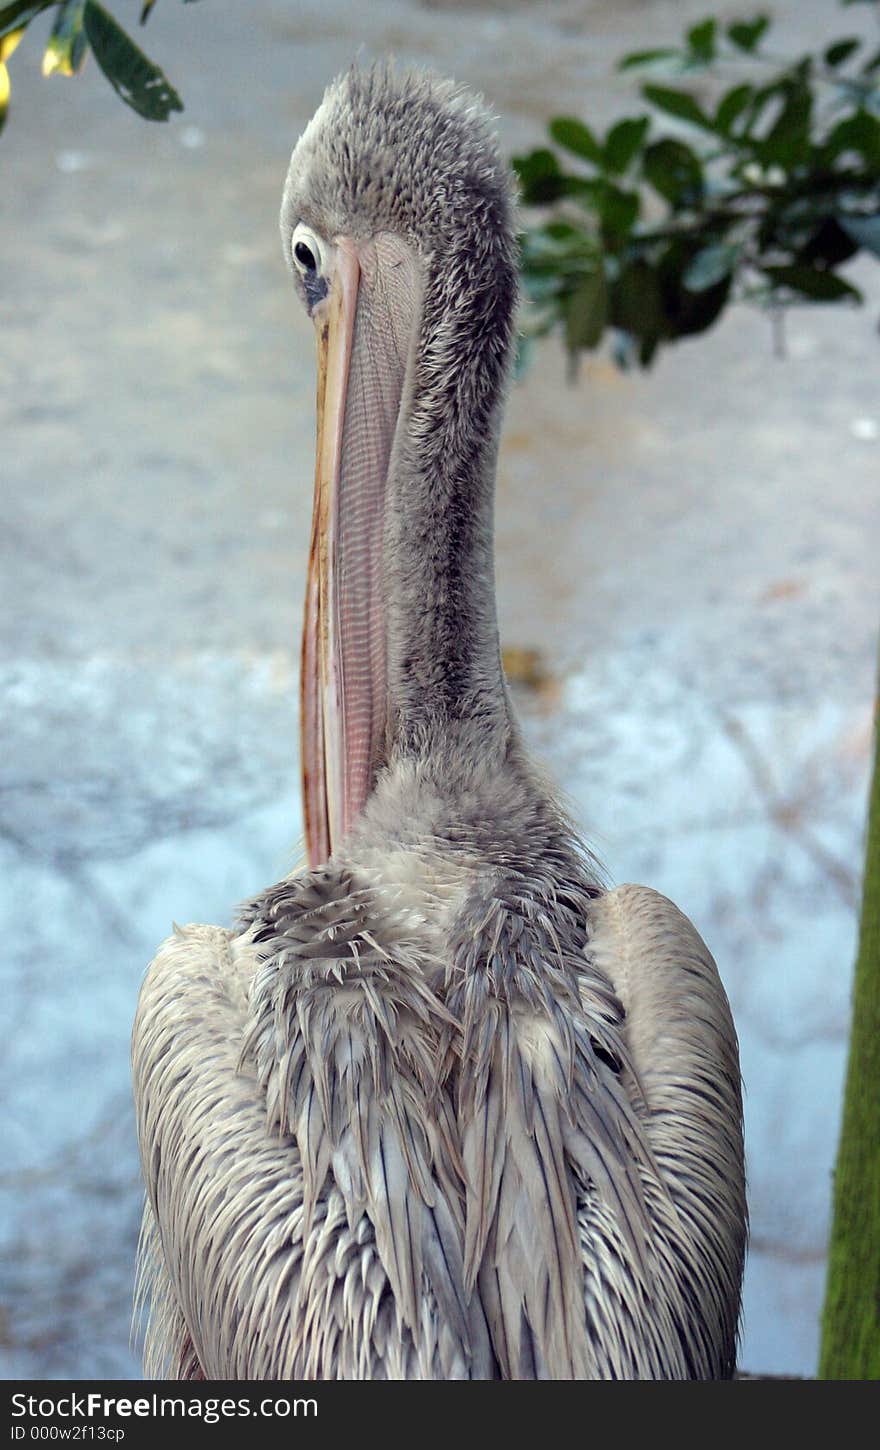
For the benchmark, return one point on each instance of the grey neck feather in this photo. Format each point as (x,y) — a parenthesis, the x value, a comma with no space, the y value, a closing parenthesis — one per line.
(446,691)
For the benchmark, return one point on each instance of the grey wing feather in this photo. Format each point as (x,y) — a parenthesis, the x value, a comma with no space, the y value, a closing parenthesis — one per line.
(600,1114)
(684,1051)
(301,1219)
(214,1176)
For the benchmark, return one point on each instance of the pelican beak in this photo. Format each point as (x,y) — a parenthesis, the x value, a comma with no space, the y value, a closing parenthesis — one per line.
(321,685)
(365,323)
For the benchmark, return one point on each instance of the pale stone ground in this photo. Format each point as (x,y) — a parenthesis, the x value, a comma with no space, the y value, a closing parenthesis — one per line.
(693,552)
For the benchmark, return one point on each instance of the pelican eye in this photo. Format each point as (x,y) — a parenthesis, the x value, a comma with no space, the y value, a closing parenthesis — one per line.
(309,253)
(311,256)
(305,257)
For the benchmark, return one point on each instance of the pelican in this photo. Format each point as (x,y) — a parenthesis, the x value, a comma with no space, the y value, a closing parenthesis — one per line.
(440,1105)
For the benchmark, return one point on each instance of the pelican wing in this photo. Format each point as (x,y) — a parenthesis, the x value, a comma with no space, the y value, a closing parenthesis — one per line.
(600,1119)
(221,1250)
(302,1220)
(684,1051)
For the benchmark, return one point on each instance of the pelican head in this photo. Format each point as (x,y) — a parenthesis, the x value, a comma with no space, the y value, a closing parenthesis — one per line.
(397,227)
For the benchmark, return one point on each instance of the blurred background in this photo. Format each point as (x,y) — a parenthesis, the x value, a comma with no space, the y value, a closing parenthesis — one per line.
(688,589)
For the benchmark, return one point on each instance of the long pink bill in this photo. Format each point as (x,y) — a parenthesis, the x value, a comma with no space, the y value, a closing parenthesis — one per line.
(363,335)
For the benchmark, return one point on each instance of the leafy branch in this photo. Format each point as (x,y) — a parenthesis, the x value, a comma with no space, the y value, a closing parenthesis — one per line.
(81,26)
(759,191)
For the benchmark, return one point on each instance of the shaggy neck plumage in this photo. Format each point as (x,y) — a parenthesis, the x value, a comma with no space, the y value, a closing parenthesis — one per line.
(446,693)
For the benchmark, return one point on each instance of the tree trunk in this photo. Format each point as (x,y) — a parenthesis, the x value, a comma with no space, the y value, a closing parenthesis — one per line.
(851,1320)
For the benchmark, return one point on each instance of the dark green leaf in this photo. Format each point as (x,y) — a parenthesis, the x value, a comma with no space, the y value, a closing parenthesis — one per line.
(145,12)
(841,50)
(859,132)
(865,230)
(731,107)
(871,64)
(580,186)
(618,209)
(637,307)
(540,177)
(11,12)
(687,312)
(140,83)
(790,219)
(623,141)
(647,350)
(540,162)
(818,285)
(701,39)
(788,140)
(645,57)
(586,311)
(829,244)
(762,98)
(677,103)
(19,14)
(709,266)
(567,131)
(567,233)
(674,171)
(746,34)
(67,46)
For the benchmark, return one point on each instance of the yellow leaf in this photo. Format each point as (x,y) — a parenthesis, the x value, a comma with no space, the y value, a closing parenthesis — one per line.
(67,47)
(53,60)
(56,58)
(7,46)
